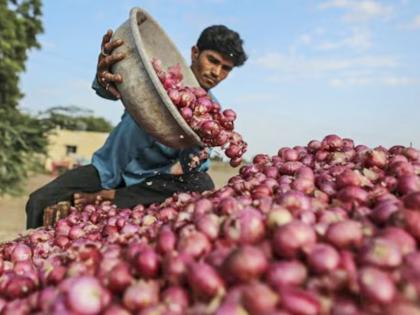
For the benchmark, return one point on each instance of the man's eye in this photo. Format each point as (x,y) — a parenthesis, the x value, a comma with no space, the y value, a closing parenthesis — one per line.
(213,60)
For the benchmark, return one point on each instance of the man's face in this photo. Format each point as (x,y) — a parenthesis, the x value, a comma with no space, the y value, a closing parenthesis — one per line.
(209,67)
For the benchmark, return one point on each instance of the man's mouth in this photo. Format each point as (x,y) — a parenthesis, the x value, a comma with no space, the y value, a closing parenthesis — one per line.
(209,80)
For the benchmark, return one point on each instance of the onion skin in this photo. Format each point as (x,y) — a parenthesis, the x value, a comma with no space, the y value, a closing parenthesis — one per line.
(258,298)
(381,253)
(231,308)
(245,227)
(376,285)
(344,234)
(141,295)
(21,252)
(412,201)
(166,240)
(289,239)
(245,263)
(84,296)
(176,298)
(298,301)
(120,277)
(323,258)
(286,273)
(204,280)
(403,240)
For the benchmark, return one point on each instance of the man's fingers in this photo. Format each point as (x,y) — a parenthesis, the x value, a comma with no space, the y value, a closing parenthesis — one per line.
(106,38)
(110,46)
(111,78)
(98,200)
(113,90)
(108,61)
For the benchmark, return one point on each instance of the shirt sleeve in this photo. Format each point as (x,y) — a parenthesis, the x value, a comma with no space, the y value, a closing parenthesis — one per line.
(101,91)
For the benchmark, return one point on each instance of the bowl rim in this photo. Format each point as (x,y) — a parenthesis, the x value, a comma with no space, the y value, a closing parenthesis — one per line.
(140,47)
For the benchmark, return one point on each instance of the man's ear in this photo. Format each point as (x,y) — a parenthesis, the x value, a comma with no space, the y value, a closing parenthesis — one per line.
(195,52)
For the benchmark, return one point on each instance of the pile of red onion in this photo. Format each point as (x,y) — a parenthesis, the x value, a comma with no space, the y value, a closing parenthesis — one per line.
(327,228)
(204,115)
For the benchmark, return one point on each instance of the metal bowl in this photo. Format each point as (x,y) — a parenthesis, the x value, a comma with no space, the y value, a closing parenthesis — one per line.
(142,93)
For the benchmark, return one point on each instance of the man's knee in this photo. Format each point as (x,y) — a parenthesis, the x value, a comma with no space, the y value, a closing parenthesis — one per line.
(200,182)
(34,210)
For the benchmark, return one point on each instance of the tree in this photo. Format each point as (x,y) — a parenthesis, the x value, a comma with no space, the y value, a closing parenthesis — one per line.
(75,118)
(21,135)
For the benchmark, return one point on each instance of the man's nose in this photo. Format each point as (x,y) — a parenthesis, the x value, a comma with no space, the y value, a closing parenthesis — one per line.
(215,71)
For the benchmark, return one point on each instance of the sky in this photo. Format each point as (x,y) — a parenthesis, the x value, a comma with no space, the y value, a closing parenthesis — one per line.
(315,67)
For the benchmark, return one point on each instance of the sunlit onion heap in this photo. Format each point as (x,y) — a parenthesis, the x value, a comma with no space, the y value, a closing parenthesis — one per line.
(329,228)
(204,115)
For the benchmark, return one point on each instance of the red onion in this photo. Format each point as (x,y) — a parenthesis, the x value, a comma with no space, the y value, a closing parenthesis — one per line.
(289,239)
(286,273)
(402,308)
(401,168)
(120,277)
(246,263)
(195,245)
(116,310)
(384,210)
(230,308)
(353,194)
(408,184)
(376,158)
(289,155)
(323,258)
(228,205)
(204,280)
(299,301)
(175,268)
(147,263)
(141,295)
(344,234)
(166,240)
(412,201)
(21,252)
(209,224)
(176,299)
(18,287)
(404,241)
(381,253)
(376,285)
(278,216)
(246,226)
(258,298)
(84,296)
(294,201)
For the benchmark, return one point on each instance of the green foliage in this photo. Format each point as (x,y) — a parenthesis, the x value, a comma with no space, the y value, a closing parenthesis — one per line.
(75,118)
(22,137)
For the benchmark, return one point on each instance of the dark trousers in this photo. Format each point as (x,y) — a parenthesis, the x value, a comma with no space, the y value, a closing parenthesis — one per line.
(86,179)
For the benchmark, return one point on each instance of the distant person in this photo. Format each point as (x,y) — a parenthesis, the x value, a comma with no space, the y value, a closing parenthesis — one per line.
(132,167)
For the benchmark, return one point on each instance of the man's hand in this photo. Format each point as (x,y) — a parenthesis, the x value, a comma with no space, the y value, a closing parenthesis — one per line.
(56,212)
(176,169)
(105,61)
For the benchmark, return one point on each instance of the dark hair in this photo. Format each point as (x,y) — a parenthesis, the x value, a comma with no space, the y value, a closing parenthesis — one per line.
(225,41)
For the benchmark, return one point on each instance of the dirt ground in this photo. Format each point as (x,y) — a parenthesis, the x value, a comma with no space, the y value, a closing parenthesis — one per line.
(12,209)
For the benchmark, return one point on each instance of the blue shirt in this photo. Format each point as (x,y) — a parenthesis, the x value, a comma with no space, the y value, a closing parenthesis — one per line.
(130,155)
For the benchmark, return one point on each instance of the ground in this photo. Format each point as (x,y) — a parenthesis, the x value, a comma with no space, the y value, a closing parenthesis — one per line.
(12,209)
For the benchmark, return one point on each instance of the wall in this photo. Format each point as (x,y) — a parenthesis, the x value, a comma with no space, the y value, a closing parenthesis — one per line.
(85,143)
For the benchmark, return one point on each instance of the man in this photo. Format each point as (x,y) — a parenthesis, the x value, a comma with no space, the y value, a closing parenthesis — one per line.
(132,167)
